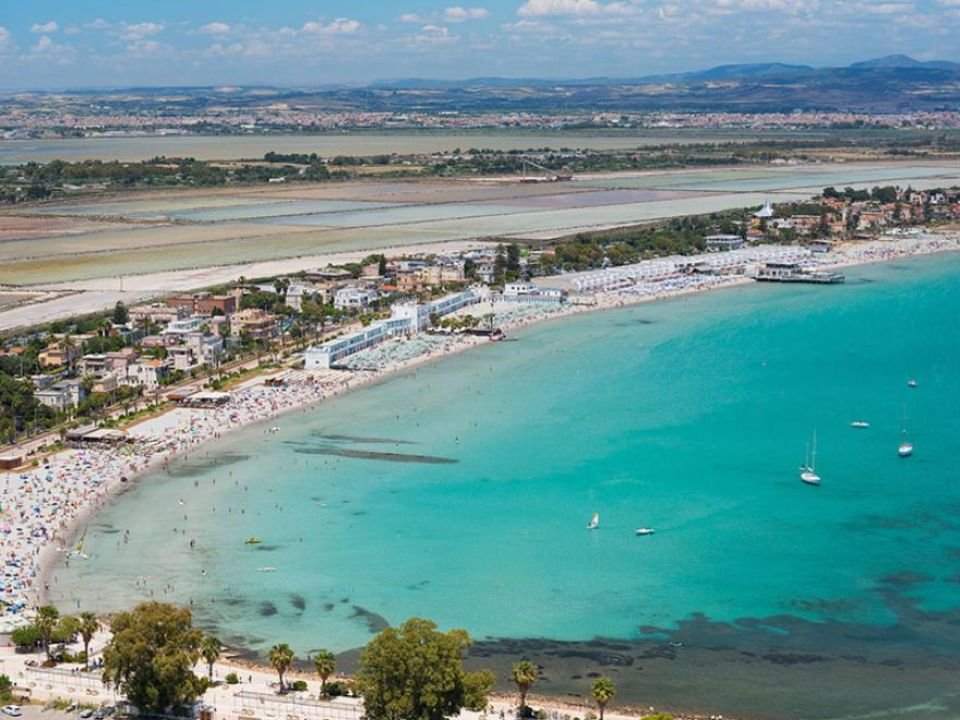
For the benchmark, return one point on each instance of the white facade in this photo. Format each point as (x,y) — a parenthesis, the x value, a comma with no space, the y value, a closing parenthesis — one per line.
(405,319)
(354,298)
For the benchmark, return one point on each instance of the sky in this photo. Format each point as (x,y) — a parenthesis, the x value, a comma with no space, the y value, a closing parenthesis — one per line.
(117,43)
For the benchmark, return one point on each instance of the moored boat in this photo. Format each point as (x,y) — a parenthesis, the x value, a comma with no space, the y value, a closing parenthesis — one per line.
(594,522)
(808,471)
(860,424)
(645,531)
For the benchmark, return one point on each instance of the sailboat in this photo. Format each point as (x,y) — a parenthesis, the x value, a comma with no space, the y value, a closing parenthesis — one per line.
(594,522)
(808,471)
(906,447)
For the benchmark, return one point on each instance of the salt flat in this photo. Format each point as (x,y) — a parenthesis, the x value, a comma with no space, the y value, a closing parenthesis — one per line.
(140,241)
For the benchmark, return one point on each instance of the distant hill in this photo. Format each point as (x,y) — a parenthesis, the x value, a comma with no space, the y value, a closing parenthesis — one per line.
(903,61)
(895,83)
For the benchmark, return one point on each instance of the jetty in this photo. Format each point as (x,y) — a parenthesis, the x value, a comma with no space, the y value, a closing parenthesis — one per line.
(786,272)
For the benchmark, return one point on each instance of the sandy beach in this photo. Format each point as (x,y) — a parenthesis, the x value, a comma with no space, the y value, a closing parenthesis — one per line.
(46,508)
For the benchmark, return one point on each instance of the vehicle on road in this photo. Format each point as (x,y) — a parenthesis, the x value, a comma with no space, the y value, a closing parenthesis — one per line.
(12,710)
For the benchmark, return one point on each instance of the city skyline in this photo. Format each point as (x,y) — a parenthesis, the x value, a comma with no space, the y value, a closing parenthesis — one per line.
(104,43)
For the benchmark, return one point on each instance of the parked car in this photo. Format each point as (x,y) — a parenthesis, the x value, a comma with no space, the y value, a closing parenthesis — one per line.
(87,713)
(12,710)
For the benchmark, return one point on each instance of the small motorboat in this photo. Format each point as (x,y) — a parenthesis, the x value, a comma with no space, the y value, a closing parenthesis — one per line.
(905,449)
(252,541)
(860,424)
(911,383)
(645,531)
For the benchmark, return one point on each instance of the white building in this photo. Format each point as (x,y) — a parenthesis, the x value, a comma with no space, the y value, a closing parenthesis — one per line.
(148,374)
(354,298)
(62,395)
(405,319)
(527,292)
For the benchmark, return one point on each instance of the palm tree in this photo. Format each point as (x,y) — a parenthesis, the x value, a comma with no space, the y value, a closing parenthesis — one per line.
(325,664)
(89,624)
(46,622)
(524,674)
(210,649)
(603,692)
(280,658)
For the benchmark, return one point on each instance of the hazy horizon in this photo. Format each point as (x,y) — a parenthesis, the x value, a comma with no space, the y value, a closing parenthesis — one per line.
(294,43)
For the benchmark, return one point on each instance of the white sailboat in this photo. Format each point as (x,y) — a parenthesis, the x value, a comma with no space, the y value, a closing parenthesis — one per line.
(645,531)
(594,522)
(906,447)
(808,471)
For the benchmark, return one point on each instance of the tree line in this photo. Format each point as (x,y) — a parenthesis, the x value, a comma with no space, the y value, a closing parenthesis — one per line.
(411,672)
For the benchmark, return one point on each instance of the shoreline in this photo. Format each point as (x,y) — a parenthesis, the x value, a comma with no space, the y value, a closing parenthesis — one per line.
(154,428)
(112,487)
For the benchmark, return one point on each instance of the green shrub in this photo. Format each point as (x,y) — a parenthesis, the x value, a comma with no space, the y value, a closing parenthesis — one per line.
(231,679)
(25,637)
(336,689)
(298,685)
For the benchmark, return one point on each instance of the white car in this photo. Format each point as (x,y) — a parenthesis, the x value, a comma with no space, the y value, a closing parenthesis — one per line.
(12,710)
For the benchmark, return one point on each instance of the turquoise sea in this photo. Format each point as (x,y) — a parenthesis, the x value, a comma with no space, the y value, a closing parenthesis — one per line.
(461,492)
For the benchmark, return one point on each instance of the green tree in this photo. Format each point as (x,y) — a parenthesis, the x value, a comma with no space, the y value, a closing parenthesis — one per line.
(151,655)
(603,692)
(25,637)
(210,649)
(89,624)
(524,674)
(121,316)
(46,622)
(325,664)
(415,672)
(280,658)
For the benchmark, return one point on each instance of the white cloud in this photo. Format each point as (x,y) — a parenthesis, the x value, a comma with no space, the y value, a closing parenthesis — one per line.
(139,31)
(99,24)
(340,26)
(149,49)
(458,14)
(72,30)
(4,38)
(411,18)
(47,27)
(542,8)
(215,28)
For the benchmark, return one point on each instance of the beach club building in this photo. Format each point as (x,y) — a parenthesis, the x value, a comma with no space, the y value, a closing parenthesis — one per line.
(405,319)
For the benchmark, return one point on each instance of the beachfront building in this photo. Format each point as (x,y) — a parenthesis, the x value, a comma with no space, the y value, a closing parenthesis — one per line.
(405,319)
(333,352)
(528,292)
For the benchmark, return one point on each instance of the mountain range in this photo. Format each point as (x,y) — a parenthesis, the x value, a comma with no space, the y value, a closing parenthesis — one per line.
(895,83)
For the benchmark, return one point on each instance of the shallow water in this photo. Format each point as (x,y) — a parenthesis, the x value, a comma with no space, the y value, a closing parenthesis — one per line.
(461,492)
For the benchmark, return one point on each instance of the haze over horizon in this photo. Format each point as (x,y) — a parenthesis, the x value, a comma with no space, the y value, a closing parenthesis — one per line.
(106,43)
